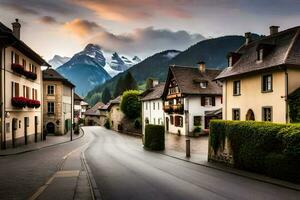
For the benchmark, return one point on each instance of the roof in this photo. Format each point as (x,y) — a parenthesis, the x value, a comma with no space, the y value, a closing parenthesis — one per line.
(116,100)
(94,111)
(7,38)
(284,50)
(189,78)
(154,93)
(52,75)
(77,97)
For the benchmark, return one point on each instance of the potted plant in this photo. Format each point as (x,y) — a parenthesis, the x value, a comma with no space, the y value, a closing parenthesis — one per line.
(17,68)
(19,102)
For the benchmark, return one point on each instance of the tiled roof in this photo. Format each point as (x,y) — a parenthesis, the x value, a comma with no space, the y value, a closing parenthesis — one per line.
(52,75)
(77,97)
(285,49)
(7,38)
(154,93)
(94,111)
(189,78)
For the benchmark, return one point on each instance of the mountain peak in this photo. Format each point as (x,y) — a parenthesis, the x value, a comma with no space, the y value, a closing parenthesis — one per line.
(136,59)
(91,46)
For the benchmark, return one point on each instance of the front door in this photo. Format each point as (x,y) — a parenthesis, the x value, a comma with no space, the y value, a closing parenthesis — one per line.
(14,130)
(167,124)
(35,128)
(26,124)
(50,127)
(206,123)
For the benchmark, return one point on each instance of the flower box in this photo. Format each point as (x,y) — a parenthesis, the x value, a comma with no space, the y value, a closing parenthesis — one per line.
(30,75)
(17,68)
(19,102)
(33,103)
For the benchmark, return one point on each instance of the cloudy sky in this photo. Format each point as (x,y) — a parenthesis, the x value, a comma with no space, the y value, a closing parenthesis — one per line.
(140,27)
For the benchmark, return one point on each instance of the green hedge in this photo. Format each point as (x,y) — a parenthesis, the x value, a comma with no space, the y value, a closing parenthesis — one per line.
(269,148)
(154,137)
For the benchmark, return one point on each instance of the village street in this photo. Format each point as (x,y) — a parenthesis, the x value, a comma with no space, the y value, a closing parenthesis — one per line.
(122,169)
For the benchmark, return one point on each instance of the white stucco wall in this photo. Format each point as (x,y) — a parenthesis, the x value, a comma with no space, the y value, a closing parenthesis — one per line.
(155,114)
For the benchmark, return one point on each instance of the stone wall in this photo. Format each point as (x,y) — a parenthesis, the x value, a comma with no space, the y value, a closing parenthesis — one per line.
(223,155)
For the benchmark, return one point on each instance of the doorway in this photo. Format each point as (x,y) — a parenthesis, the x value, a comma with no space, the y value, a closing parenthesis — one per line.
(35,128)
(250,115)
(50,127)
(26,125)
(167,124)
(14,131)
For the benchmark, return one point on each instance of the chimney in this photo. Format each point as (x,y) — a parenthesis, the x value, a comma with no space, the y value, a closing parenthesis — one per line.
(248,37)
(201,66)
(274,29)
(155,83)
(16,28)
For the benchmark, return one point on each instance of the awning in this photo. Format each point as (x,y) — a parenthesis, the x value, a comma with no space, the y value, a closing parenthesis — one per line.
(213,113)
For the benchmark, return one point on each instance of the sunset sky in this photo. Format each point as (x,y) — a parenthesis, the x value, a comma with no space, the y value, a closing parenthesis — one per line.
(140,27)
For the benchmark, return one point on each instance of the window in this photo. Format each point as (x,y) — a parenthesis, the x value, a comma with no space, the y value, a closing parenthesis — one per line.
(157,105)
(15,89)
(267,83)
(237,87)
(267,114)
(153,120)
(178,121)
(197,120)
(158,121)
(50,107)
(208,101)
(146,103)
(236,114)
(203,84)
(153,105)
(172,119)
(24,63)
(50,89)
(260,54)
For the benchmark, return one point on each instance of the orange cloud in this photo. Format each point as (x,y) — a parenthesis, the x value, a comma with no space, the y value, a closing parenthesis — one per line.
(120,10)
(82,28)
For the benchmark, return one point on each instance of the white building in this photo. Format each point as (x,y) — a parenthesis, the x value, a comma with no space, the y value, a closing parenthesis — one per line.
(191,99)
(152,106)
(80,107)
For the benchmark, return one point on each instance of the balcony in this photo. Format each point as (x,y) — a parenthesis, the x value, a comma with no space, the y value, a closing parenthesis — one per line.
(19,69)
(22,102)
(178,108)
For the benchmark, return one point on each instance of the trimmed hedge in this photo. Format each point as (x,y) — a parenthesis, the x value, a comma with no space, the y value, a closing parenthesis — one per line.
(154,137)
(263,147)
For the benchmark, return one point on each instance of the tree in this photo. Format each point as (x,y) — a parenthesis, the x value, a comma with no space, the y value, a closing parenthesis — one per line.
(106,96)
(95,99)
(130,104)
(125,83)
(129,82)
(119,87)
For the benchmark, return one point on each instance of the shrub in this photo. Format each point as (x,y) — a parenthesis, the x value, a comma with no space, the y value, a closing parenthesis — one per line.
(269,148)
(107,124)
(154,137)
(130,104)
(137,123)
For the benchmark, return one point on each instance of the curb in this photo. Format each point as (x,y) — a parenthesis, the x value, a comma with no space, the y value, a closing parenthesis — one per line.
(94,188)
(39,148)
(231,171)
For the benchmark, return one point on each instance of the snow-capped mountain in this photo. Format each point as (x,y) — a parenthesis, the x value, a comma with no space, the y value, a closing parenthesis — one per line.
(94,66)
(58,61)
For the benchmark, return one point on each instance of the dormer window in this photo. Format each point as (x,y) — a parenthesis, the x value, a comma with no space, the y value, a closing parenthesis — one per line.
(233,57)
(260,54)
(203,84)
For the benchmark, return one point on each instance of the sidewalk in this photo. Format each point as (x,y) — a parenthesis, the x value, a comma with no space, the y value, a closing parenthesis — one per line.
(70,182)
(175,147)
(50,141)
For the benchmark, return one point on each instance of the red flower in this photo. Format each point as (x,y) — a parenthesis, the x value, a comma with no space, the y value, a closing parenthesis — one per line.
(17,68)
(33,103)
(30,75)
(19,102)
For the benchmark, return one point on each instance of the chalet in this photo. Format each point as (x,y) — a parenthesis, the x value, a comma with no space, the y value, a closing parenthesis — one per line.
(191,98)
(260,77)
(92,115)
(58,96)
(20,89)
(152,105)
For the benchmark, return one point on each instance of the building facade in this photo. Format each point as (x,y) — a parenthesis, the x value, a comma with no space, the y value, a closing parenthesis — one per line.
(21,90)
(260,77)
(58,107)
(152,106)
(191,99)
(92,115)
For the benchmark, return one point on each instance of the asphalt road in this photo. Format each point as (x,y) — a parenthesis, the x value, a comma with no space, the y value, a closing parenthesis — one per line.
(22,175)
(124,170)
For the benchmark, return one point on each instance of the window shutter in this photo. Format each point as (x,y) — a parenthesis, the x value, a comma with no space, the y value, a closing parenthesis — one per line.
(12,89)
(202,101)
(213,101)
(17,89)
